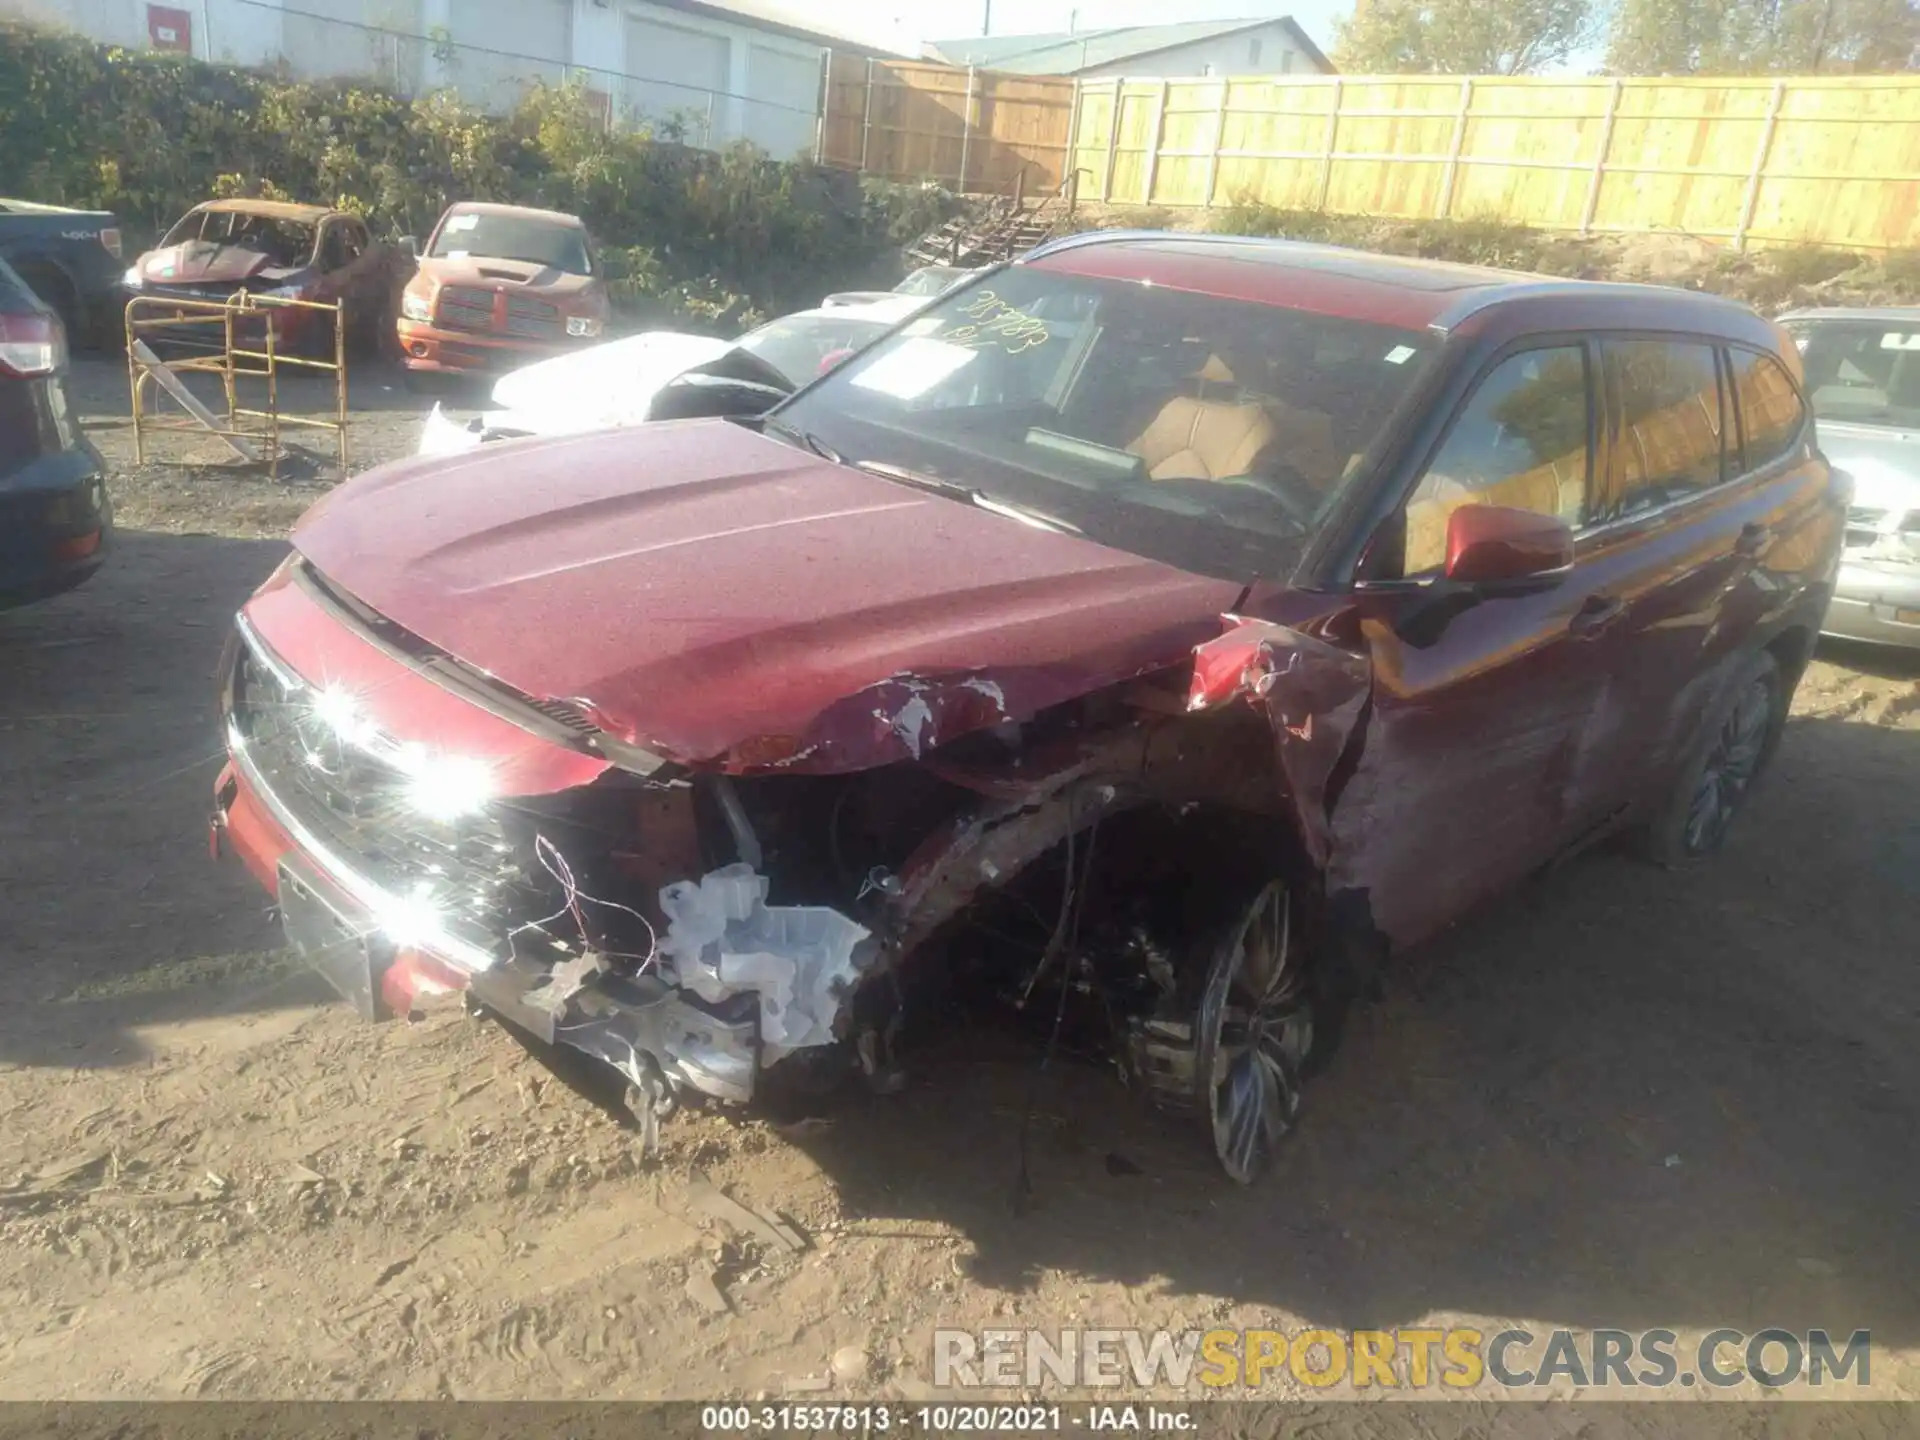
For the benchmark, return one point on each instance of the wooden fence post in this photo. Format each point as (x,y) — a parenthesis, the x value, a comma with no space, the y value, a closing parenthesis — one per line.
(1600,160)
(1113,143)
(826,103)
(1070,162)
(866,118)
(1759,164)
(1333,132)
(1453,153)
(1154,136)
(966,128)
(1219,139)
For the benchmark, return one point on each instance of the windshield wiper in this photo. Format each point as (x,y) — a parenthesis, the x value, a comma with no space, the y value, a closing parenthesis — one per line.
(793,435)
(915,479)
(979,499)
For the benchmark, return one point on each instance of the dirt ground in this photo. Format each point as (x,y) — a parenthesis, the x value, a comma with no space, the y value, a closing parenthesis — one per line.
(1623,1098)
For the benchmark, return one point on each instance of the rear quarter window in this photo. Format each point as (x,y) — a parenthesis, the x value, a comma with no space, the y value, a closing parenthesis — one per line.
(1771,413)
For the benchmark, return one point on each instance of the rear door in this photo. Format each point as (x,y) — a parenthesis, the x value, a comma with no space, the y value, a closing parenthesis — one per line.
(1712,474)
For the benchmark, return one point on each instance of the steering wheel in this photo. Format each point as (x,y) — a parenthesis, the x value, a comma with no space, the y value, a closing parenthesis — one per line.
(1286,487)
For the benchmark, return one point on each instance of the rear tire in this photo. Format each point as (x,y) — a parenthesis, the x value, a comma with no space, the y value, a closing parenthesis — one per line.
(1735,746)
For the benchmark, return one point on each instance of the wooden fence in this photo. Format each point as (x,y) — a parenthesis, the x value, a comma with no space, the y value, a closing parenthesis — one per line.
(1830,160)
(1833,160)
(976,131)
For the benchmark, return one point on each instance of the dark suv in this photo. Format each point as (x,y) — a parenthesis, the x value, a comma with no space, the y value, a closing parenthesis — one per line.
(1166,627)
(54,514)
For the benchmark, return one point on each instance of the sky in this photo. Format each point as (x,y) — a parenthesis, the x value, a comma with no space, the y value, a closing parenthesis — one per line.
(903,24)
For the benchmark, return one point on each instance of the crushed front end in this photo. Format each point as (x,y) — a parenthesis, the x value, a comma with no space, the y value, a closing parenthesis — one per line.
(427,831)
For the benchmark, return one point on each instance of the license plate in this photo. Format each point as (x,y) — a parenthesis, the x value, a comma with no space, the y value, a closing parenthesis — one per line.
(1907,617)
(328,941)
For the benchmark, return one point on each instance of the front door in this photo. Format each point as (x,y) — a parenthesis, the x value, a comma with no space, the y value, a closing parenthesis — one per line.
(1479,753)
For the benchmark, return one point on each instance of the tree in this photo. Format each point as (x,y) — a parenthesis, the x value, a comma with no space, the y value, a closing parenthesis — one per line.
(1462,37)
(1758,37)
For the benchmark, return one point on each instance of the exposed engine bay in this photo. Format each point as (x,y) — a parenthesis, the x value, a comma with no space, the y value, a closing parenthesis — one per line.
(1127,864)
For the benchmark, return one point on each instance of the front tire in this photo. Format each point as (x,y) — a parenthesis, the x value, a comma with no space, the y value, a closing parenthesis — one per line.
(1231,1052)
(1734,749)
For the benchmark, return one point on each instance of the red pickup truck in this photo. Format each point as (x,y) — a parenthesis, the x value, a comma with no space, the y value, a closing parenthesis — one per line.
(498,286)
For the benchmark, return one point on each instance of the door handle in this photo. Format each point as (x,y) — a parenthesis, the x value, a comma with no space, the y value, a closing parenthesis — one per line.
(1753,539)
(1596,614)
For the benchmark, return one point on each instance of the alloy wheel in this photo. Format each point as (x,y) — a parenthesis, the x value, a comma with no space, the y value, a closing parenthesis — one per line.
(1731,765)
(1255,1029)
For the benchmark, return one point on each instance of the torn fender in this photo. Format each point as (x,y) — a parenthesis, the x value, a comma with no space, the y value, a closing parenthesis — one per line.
(1315,696)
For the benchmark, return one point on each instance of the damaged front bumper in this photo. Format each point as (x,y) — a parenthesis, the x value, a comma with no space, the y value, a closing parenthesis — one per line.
(341,923)
(734,984)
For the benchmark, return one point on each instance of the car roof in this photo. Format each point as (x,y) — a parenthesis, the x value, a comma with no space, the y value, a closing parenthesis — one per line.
(488,207)
(271,209)
(1898,314)
(1395,290)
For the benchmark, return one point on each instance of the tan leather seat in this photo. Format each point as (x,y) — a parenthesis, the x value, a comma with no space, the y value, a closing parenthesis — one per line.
(1196,438)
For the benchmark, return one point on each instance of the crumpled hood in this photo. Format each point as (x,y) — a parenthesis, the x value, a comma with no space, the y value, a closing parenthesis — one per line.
(609,384)
(200,262)
(715,595)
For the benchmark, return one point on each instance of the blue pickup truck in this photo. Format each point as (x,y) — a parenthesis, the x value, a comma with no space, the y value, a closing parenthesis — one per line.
(71,259)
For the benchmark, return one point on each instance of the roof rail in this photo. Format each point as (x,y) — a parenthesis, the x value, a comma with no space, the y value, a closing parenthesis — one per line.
(1103,237)
(1081,239)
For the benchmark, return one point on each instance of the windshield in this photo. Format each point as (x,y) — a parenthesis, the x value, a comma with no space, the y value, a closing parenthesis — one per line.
(526,238)
(1864,371)
(1210,433)
(799,346)
(286,243)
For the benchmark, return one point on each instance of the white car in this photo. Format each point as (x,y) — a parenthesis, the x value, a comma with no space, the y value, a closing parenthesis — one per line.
(663,375)
(929,281)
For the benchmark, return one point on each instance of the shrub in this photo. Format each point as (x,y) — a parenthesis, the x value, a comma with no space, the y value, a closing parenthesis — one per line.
(719,238)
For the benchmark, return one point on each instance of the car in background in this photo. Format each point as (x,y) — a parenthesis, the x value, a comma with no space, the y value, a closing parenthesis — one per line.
(1171,630)
(55,518)
(664,375)
(275,249)
(927,282)
(1863,378)
(497,286)
(71,260)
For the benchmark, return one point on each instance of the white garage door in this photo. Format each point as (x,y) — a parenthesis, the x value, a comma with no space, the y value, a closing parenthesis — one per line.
(673,70)
(784,96)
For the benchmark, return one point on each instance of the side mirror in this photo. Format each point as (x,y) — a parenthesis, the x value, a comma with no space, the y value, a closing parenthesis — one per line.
(411,244)
(1503,548)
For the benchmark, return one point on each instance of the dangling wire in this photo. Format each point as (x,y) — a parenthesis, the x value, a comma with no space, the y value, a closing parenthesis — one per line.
(1066,935)
(555,864)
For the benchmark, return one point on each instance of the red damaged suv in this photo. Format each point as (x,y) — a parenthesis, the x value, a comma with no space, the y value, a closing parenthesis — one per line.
(1169,627)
